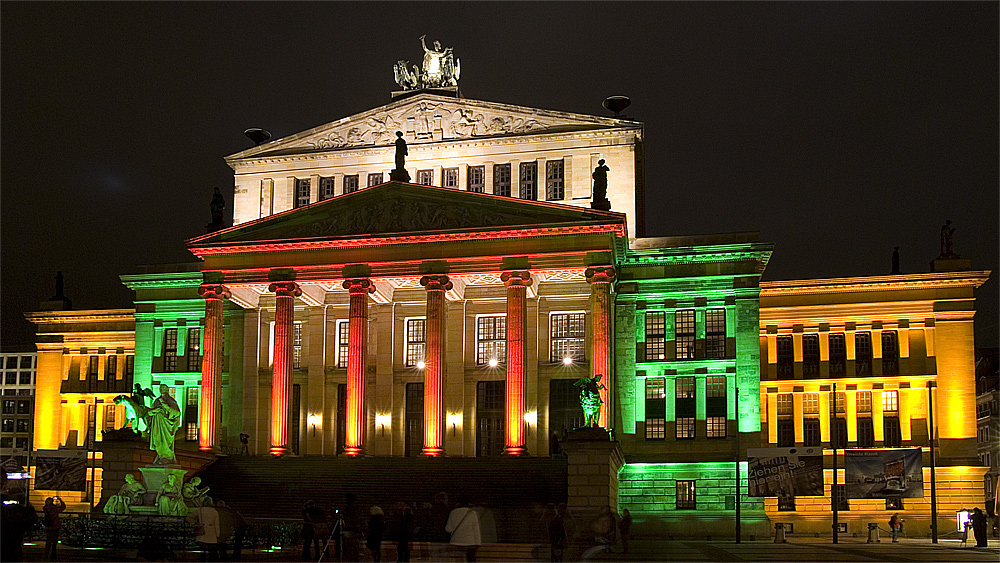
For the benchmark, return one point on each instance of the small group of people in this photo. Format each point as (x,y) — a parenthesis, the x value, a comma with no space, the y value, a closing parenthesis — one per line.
(979,525)
(214,526)
(602,533)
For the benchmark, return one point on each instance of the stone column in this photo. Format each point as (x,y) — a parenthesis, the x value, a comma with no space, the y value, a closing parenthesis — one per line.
(434,364)
(359,288)
(210,406)
(600,278)
(517,283)
(281,375)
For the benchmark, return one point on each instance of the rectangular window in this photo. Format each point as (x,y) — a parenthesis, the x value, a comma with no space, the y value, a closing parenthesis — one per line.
(9,406)
(864,401)
(8,425)
(414,439)
(26,362)
(416,340)
(194,350)
(810,403)
(343,343)
(684,428)
(862,353)
(24,407)
(684,333)
(491,339)
(715,426)
(450,178)
(894,503)
(838,355)
(425,177)
(890,353)
(839,433)
(786,404)
(326,188)
(866,432)
(684,388)
(297,345)
(554,180)
(191,414)
(501,179)
(837,402)
(715,387)
(715,404)
(111,368)
(568,336)
(684,407)
(22,425)
(715,333)
(477,179)
(786,504)
(529,180)
(10,378)
(810,432)
(564,410)
(786,358)
(490,418)
(93,367)
(25,378)
(170,350)
(890,401)
(840,498)
(109,417)
(786,433)
(810,355)
(656,405)
(686,497)
(350,183)
(302,192)
(11,362)
(655,336)
(129,367)
(374,179)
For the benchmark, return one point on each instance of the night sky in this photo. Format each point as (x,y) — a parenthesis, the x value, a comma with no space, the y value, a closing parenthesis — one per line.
(836,130)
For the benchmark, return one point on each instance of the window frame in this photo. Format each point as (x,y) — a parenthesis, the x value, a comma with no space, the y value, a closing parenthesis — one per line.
(193,352)
(343,327)
(684,342)
(502,183)
(352,183)
(491,339)
(837,363)
(863,353)
(449,178)
(715,333)
(785,356)
(473,172)
(170,350)
(303,192)
(572,338)
(425,177)
(810,355)
(656,407)
(327,187)
(655,336)
(527,185)
(375,178)
(414,341)
(890,352)
(555,180)
(686,494)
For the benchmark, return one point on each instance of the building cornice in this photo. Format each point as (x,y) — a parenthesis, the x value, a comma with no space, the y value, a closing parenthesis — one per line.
(89,316)
(934,280)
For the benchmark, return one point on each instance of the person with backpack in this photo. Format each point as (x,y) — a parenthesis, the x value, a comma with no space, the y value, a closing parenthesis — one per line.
(52,525)
(895,523)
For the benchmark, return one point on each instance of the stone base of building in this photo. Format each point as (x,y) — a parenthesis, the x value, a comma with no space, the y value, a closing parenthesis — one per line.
(700,525)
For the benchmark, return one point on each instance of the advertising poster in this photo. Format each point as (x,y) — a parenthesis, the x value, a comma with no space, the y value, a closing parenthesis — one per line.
(786,472)
(61,470)
(896,473)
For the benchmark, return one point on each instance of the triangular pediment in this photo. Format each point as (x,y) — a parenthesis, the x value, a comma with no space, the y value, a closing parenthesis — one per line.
(403,210)
(428,118)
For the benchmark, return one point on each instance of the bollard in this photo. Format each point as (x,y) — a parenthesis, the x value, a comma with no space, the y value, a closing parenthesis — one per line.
(779,533)
(873,533)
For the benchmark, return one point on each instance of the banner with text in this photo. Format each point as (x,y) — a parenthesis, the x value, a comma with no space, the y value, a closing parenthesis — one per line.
(786,472)
(897,473)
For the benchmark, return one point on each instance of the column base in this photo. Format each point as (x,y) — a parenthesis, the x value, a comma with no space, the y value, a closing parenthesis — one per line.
(279,451)
(432,452)
(353,451)
(515,450)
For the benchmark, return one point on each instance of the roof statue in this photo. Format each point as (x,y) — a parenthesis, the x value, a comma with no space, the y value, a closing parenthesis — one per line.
(440,69)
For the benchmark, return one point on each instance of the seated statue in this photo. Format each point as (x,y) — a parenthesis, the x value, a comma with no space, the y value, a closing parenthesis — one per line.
(193,496)
(129,495)
(169,501)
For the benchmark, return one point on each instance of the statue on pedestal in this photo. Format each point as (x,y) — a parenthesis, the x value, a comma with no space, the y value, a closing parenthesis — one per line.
(169,501)
(601,187)
(399,174)
(947,242)
(590,398)
(129,495)
(439,69)
(159,421)
(193,496)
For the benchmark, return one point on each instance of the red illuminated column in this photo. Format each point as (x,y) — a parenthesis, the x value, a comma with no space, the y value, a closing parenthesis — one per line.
(359,288)
(600,279)
(517,288)
(434,364)
(211,367)
(281,379)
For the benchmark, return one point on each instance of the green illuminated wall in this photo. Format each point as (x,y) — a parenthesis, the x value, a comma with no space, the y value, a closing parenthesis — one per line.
(652,487)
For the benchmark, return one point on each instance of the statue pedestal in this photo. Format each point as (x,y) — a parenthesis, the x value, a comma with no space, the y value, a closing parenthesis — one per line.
(593,464)
(601,204)
(154,477)
(397,175)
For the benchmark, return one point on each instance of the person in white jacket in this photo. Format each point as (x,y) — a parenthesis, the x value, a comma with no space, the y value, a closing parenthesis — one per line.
(206,521)
(463,525)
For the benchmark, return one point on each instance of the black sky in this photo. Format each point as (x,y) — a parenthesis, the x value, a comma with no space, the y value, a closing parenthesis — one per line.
(838,130)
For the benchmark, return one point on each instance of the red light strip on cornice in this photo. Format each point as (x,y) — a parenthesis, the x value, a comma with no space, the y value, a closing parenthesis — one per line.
(266,246)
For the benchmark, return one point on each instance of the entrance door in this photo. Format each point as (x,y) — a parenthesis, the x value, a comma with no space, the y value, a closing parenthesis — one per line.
(414,419)
(490,415)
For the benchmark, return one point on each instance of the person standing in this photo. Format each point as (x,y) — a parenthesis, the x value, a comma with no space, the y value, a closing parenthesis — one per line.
(376,528)
(206,522)
(314,530)
(979,527)
(52,525)
(557,532)
(463,525)
(623,527)
(404,535)
(894,525)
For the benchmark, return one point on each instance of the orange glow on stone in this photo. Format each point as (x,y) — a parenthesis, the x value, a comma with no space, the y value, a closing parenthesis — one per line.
(434,364)
(281,378)
(211,367)
(517,284)
(600,279)
(359,288)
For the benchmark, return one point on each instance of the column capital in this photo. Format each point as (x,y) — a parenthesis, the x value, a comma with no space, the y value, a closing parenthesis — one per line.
(601,274)
(285,289)
(436,283)
(515,278)
(214,291)
(356,286)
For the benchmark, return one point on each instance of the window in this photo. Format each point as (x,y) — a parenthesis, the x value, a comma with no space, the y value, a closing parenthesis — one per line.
(129,367)
(343,343)
(715,333)
(564,410)
(11,362)
(477,179)
(94,367)
(656,405)
(840,498)
(24,407)
(9,406)
(655,336)
(810,355)
(554,180)
(863,353)
(350,183)
(568,334)
(326,188)
(684,333)
(866,432)
(864,401)
(684,407)
(837,402)
(297,345)
(786,504)
(501,179)
(810,403)
(490,415)
(890,401)
(491,339)
(715,387)
(839,433)
(786,404)
(715,426)
(8,425)
(685,428)
(374,179)
(11,378)
(450,178)
(786,433)
(194,349)
(425,177)
(529,180)
(416,340)
(191,413)
(686,498)
(838,355)
(894,503)
(109,417)
(170,349)
(7,442)
(810,432)
(891,434)
(25,378)
(786,358)
(414,438)
(111,368)
(890,353)
(25,362)
(684,388)
(302,192)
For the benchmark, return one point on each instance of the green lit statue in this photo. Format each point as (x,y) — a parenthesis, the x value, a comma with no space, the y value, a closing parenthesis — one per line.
(159,421)
(590,398)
